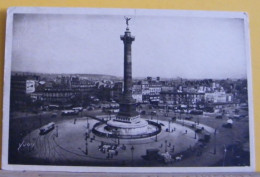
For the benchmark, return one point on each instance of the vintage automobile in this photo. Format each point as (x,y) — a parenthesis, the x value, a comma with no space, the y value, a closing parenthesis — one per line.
(69,112)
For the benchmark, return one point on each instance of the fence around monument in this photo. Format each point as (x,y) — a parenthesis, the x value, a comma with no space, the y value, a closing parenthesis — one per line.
(102,134)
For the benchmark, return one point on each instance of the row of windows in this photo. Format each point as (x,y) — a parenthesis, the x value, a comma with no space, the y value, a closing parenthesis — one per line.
(57,94)
(182,96)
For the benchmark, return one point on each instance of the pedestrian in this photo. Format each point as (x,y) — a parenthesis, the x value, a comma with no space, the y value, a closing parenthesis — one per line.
(186,131)
(173,148)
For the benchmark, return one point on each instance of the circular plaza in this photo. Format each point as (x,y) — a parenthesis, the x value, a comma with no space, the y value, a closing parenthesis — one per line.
(72,141)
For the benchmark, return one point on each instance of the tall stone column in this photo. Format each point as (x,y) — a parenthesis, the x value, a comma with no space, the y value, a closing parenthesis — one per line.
(128,39)
(127,111)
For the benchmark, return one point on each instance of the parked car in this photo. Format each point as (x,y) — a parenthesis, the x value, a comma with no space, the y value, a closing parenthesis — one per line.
(227,125)
(53,115)
(69,112)
(199,129)
(189,118)
(153,113)
(196,112)
(78,108)
(151,154)
(205,139)
(90,108)
(219,117)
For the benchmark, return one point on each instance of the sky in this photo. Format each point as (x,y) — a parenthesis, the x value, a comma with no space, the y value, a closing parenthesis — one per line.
(165,46)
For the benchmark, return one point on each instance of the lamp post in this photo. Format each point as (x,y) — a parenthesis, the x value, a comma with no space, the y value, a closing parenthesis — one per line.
(117,134)
(169,128)
(166,110)
(165,145)
(156,139)
(57,131)
(225,152)
(81,111)
(215,150)
(132,151)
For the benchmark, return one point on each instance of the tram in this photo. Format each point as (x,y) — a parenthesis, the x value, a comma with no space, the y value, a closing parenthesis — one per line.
(47,128)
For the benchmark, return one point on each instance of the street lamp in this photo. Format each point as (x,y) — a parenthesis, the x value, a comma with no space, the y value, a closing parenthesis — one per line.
(166,110)
(165,145)
(215,151)
(156,139)
(57,131)
(225,152)
(118,138)
(169,128)
(132,151)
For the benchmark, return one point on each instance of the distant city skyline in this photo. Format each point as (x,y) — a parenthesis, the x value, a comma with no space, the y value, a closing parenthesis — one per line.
(118,77)
(168,47)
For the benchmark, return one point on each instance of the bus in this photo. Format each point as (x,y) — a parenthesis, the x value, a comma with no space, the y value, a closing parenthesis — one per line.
(69,112)
(47,128)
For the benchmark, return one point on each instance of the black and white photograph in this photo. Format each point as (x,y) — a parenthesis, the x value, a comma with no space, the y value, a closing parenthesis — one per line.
(114,89)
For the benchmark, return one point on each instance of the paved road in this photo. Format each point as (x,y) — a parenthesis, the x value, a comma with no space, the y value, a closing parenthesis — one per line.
(70,144)
(68,148)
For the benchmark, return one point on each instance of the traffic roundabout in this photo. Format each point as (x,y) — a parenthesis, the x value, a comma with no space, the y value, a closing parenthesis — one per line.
(74,141)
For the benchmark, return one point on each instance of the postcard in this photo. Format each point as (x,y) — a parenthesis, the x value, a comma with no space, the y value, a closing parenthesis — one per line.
(127,90)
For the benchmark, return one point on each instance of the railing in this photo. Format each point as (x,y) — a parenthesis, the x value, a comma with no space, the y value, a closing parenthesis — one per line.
(108,135)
